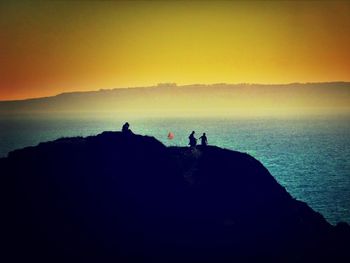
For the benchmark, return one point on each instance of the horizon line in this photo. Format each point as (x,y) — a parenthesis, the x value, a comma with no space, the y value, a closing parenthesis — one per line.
(173,84)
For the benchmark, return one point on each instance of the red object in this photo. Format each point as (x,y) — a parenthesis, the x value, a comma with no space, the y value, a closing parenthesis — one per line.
(170,135)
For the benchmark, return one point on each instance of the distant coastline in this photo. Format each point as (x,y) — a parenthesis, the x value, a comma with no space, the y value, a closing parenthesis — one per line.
(168,99)
(173,84)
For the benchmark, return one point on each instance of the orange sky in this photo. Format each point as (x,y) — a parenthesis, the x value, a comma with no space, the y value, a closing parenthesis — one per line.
(51,47)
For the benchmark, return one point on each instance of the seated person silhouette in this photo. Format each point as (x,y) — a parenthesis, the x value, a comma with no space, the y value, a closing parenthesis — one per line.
(193,140)
(126,130)
(204,140)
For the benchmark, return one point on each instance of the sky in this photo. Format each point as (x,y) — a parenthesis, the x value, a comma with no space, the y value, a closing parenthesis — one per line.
(50,47)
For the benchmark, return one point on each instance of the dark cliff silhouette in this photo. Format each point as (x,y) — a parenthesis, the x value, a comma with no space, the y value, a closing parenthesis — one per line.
(119,198)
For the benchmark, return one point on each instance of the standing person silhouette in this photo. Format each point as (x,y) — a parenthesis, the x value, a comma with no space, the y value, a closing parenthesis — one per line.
(193,140)
(204,139)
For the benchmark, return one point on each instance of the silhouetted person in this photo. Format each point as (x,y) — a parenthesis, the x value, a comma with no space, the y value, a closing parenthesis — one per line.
(125,128)
(193,140)
(204,139)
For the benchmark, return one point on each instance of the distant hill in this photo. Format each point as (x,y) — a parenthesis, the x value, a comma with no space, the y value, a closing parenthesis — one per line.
(128,198)
(169,99)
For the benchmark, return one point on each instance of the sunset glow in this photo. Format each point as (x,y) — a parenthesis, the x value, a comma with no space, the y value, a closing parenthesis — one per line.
(53,47)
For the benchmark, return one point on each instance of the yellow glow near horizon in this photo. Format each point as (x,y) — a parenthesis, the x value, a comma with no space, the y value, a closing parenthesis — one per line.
(53,47)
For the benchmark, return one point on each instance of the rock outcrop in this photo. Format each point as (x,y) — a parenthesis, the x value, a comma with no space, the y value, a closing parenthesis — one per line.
(128,198)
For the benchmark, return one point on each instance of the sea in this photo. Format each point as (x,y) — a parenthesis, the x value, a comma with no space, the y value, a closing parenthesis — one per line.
(309,156)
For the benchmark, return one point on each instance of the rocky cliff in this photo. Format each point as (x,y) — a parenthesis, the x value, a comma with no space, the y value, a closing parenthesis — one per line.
(128,198)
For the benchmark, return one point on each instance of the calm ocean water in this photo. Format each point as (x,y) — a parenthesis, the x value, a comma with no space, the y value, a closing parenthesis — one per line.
(310,157)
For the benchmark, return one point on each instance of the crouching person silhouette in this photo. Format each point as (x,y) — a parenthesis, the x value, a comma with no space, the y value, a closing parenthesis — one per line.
(126,130)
